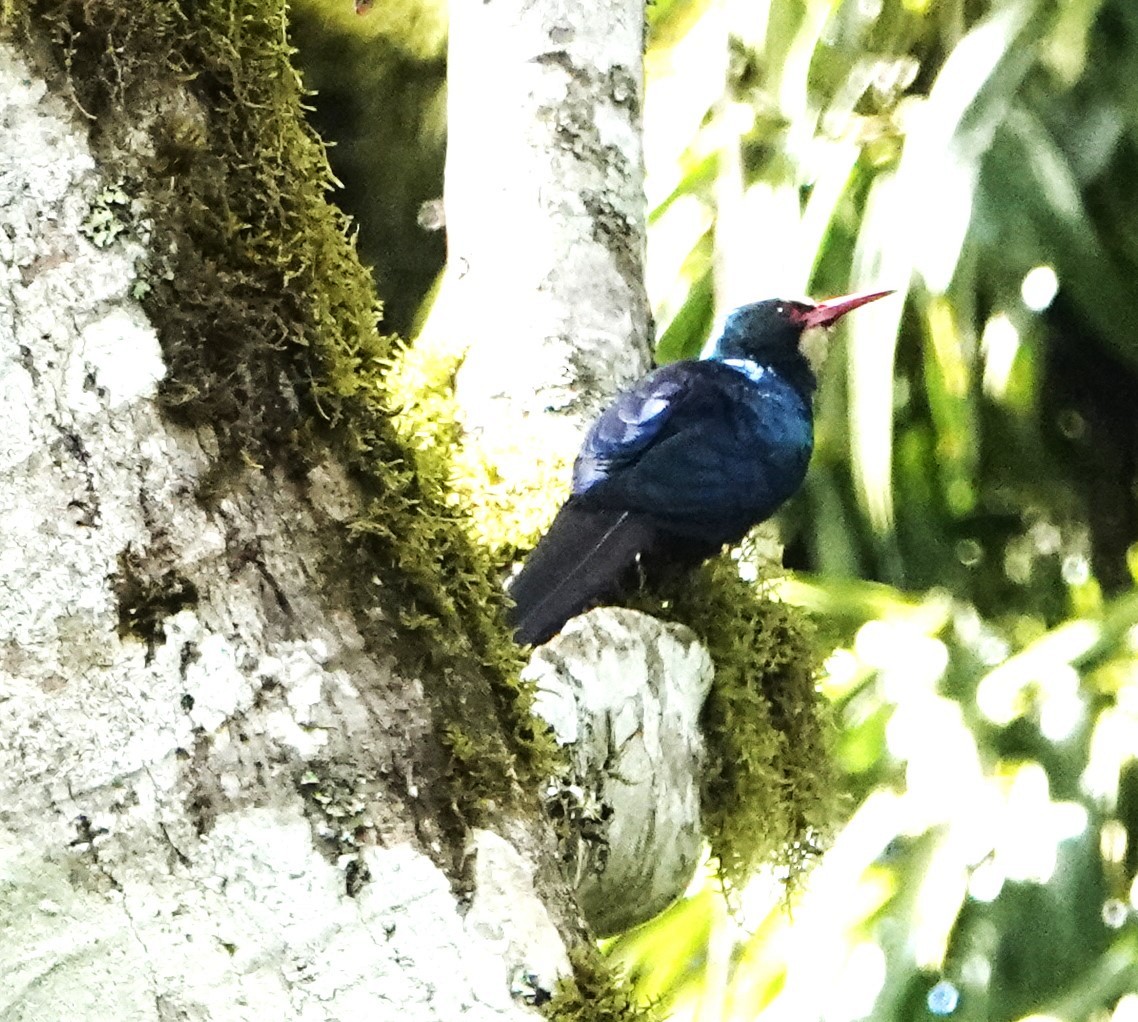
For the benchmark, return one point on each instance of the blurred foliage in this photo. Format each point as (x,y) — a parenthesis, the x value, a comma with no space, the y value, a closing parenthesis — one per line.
(967,534)
(977,460)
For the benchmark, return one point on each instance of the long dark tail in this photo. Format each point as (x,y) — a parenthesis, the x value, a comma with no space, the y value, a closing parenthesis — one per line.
(579,560)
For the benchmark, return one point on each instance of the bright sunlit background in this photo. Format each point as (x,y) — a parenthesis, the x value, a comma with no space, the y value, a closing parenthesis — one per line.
(967,535)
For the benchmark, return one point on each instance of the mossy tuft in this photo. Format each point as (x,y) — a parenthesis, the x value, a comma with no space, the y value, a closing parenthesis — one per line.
(596,992)
(770,791)
(509,505)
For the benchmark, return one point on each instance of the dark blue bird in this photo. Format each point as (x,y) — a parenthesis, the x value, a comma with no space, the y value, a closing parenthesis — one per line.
(688,459)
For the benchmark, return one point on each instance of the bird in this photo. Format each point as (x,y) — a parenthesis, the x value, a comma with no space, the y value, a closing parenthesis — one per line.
(685,461)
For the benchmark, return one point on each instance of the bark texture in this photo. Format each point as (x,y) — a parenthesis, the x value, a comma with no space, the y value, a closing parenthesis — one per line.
(623,692)
(545,221)
(209,805)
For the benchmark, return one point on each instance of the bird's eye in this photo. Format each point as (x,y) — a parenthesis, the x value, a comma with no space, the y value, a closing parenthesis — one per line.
(779,310)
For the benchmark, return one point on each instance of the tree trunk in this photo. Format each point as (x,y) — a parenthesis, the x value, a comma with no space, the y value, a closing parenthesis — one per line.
(543,299)
(231,705)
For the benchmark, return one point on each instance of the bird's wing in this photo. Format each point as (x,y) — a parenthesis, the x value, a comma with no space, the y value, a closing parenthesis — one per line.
(586,550)
(699,448)
(631,423)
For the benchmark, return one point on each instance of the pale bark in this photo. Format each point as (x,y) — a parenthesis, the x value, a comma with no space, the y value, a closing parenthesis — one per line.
(623,692)
(545,220)
(164,850)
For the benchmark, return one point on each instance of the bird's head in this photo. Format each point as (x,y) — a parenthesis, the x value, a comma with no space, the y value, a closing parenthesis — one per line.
(778,330)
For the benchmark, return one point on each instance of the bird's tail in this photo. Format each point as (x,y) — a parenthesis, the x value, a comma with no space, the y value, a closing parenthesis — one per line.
(580,559)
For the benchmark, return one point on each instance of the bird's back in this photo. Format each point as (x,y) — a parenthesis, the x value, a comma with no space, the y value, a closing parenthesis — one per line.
(724,449)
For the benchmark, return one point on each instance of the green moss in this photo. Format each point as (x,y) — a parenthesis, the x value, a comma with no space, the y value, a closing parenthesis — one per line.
(484,760)
(770,793)
(595,992)
(269,325)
